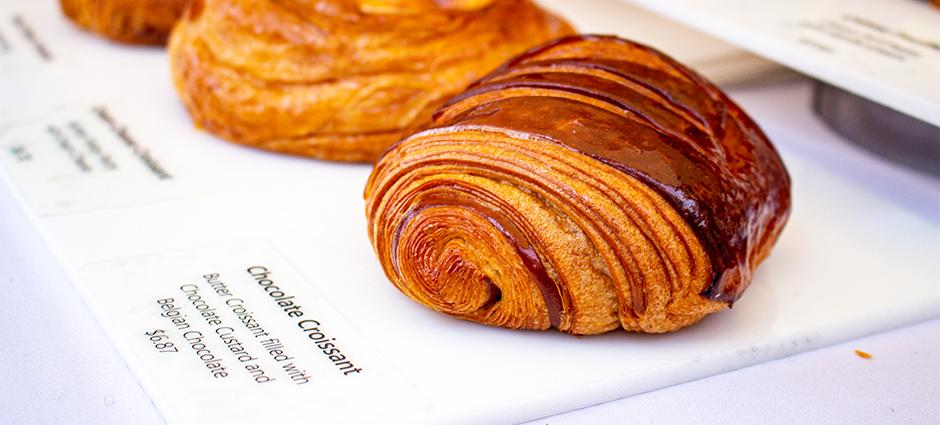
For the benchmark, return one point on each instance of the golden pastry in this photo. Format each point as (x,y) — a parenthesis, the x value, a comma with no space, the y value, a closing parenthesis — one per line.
(589,184)
(340,79)
(127,21)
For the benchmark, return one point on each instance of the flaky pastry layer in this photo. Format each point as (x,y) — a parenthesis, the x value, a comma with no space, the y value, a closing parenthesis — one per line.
(126,21)
(340,79)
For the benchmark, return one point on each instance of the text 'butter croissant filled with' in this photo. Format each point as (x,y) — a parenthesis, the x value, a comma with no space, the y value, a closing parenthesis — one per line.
(587,185)
(340,79)
(126,21)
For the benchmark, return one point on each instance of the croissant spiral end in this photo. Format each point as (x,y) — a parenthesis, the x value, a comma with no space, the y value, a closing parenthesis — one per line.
(589,184)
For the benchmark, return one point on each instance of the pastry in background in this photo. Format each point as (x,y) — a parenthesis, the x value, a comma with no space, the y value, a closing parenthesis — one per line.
(126,21)
(340,79)
(587,185)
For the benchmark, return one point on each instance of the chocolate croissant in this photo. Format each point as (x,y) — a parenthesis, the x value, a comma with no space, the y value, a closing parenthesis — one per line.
(340,79)
(589,184)
(127,21)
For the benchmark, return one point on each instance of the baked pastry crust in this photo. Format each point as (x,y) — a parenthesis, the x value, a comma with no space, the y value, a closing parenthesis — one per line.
(340,79)
(589,184)
(126,21)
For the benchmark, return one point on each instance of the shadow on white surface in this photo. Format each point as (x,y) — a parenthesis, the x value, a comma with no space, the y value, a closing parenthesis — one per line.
(777,108)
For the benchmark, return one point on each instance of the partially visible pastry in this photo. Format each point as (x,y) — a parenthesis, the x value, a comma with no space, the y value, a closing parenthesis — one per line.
(340,79)
(587,185)
(126,21)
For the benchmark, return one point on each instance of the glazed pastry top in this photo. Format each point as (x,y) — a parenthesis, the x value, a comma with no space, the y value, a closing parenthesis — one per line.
(682,137)
(327,39)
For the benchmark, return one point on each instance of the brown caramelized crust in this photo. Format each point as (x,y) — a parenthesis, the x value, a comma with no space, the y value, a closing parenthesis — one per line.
(588,184)
(126,21)
(340,79)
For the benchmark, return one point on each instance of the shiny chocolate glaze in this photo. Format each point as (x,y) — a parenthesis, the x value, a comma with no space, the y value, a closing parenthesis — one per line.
(655,120)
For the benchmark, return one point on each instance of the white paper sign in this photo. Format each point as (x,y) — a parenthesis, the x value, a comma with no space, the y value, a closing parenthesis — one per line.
(23,47)
(232,334)
(885,50)
(79,159)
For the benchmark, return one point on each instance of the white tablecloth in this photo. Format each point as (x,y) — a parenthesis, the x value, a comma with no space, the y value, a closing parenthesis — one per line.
(57,365)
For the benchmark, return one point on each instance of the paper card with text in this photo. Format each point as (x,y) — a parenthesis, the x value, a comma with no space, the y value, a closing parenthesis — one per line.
(22,47)
(885,50)
(79,159)
(232,334)
(46,59)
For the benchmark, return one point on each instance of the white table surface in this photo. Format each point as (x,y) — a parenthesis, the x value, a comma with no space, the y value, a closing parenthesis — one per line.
(57,365)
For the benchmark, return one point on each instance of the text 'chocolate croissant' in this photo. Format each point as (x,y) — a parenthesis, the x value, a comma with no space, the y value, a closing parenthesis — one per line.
(588,184)
(340,79)
(126,21)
